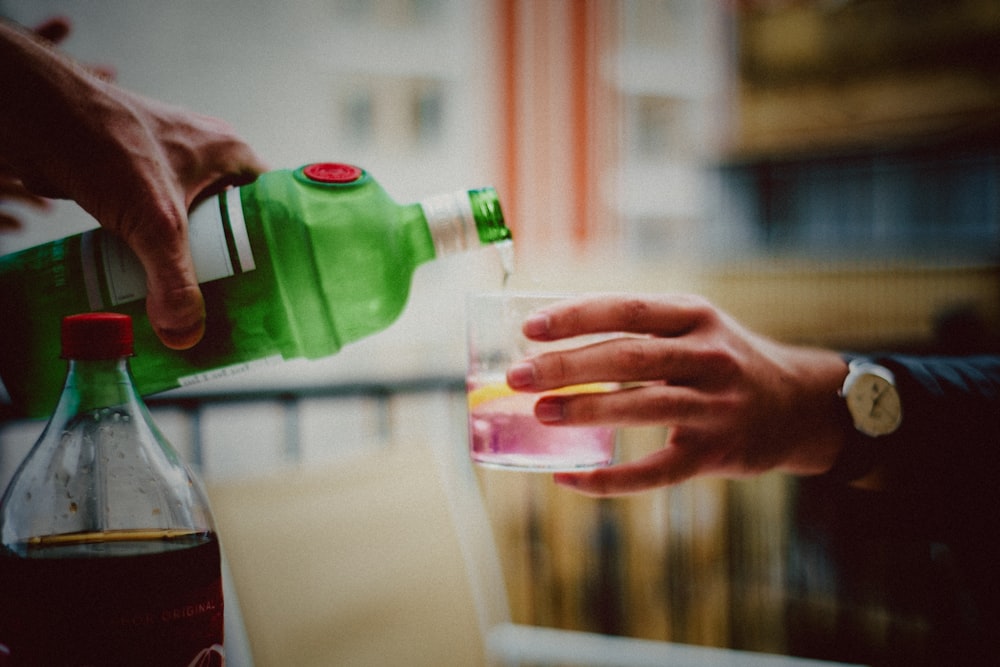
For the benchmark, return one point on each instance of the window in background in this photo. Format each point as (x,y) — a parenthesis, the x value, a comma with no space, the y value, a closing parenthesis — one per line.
(358,109)
(425,11)
(654,23)
(427,105)
(941,205)
(670,65)
(657,236)
(389,13)
(870,131)
(658,126)
(397,114)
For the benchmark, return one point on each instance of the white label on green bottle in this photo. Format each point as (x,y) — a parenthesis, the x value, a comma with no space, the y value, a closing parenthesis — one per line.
(451,222)
(215,256)
(126,279)
(238,225)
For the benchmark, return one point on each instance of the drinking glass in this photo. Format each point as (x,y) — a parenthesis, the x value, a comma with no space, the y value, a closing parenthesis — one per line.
(503,430)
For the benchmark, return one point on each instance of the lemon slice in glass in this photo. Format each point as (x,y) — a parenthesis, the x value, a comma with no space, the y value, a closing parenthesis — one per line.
(497,390)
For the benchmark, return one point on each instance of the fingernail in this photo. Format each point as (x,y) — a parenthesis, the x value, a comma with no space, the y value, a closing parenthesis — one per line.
(536,325)
(182,338)
(549,411)
(566,479)
(521,375)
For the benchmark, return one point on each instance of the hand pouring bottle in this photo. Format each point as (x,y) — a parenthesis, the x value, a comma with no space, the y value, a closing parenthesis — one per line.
(294,265)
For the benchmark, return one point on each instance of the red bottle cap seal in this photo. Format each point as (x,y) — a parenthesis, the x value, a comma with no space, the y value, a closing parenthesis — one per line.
(332,172)
(96,336)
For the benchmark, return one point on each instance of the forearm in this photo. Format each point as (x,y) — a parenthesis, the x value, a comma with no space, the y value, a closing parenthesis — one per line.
(48,106)
(951,414)
(941,468)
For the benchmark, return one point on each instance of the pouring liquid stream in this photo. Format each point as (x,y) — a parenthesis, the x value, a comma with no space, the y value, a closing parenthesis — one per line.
(505,253)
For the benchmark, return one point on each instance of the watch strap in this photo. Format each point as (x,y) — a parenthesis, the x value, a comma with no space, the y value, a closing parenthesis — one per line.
(860,452)
(857,458)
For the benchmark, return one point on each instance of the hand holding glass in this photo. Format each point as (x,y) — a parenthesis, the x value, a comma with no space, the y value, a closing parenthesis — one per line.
(503,430)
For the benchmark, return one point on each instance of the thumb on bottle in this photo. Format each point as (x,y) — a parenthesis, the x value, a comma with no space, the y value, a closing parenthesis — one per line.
(174,302)
(177,315)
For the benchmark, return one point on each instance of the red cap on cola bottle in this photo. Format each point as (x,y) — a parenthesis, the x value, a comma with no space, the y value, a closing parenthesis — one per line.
(96,336)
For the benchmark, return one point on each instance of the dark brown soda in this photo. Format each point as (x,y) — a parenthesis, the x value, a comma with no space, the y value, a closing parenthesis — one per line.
(121,598)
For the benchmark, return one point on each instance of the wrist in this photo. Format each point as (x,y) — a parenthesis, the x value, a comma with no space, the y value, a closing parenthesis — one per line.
(819,434)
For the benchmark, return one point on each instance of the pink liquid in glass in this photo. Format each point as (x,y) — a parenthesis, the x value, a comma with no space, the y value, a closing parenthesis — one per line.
(503,433)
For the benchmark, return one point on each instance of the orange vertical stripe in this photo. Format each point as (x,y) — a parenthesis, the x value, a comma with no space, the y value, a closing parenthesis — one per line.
(581,63)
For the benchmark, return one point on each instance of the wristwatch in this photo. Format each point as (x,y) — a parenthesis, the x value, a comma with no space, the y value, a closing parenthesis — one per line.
(875,409)
(872,398)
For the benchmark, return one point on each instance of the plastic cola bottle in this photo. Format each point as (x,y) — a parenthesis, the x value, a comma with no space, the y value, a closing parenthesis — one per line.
(108,550)
(294,265)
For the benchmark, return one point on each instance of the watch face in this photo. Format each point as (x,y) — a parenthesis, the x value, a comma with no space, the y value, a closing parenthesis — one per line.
(874,405)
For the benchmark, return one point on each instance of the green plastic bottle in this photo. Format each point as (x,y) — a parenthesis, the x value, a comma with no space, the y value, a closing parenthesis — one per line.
(294,265)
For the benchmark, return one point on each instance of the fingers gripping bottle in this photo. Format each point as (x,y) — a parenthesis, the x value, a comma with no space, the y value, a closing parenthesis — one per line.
(108,552)
(296,264)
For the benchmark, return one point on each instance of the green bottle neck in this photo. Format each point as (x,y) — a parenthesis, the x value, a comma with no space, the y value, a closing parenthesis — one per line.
(464,220)
(94,384)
